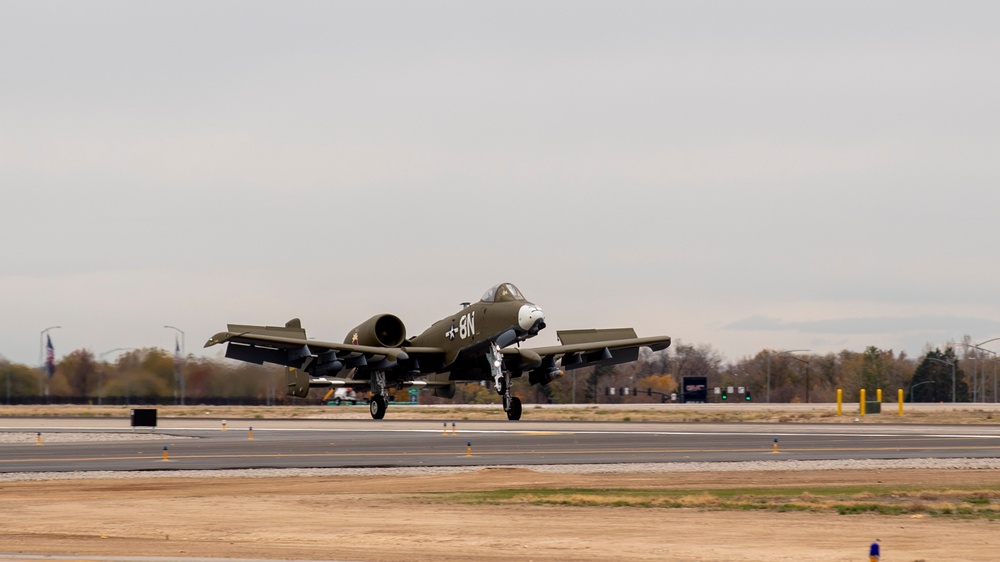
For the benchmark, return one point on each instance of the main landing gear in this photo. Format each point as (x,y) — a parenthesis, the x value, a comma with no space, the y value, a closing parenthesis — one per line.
(501,383)
(512,406)
(379,401)
(377,406)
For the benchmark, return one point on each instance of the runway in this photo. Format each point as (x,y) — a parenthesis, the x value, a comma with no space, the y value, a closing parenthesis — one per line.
(178,444)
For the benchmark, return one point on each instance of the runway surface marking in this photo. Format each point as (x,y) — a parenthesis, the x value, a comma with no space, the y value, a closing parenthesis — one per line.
(260,431)
(175,457)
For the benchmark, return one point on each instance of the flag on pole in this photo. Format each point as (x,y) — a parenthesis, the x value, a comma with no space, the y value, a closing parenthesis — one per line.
(50,358)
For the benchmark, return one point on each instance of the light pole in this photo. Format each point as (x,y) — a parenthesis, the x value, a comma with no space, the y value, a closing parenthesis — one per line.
(974,386)
(983,375)
(177,366)
(994,367)
(952,363)
(100,379)
(912,386)
(772,354)
(978,373)
(807,374)
(41,358)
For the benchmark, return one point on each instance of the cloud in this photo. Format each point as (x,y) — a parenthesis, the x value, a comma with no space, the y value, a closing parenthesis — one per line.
(870,325)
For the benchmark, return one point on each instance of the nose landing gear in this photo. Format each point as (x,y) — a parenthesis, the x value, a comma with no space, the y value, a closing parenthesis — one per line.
(501,382)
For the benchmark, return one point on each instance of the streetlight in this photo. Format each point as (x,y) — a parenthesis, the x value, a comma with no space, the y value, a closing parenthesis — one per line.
(952,363)
(978,378)
(769,355)
(42,384)
(912,386)
(994,366)
(100,379)
(807,374)
(177,366)
(984,373)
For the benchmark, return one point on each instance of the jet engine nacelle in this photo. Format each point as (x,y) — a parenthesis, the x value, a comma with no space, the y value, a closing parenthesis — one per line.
(381,330)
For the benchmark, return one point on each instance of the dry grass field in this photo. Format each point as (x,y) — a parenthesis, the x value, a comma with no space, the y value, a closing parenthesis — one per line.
(498,514)
(456,518)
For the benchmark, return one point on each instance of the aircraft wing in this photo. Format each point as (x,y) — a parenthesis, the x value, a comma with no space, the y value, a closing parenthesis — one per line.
(287,345)
(584,348)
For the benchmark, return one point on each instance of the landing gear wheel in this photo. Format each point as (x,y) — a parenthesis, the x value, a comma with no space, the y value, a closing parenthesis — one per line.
(514,409)
(377,407)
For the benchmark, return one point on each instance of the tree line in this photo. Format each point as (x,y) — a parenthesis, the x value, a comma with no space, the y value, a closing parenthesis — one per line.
(153,375)
(784,377)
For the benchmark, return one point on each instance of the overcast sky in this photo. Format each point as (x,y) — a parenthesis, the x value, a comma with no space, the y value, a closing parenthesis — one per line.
(748,175)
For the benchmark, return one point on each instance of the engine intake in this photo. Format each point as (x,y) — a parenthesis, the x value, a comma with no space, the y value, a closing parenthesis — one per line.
(381,330)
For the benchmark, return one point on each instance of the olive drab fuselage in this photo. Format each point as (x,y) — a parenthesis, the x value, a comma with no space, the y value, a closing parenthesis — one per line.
(470,327)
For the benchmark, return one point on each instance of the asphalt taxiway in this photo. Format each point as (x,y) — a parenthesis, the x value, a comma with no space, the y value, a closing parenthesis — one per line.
(59,444)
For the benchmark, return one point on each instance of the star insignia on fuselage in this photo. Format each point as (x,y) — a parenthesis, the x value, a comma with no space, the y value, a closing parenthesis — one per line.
(450,334)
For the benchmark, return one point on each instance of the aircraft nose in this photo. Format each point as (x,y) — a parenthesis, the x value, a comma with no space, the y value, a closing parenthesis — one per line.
(529,315)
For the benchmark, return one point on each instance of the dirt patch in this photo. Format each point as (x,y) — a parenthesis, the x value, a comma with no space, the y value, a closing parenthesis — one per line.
(397,518)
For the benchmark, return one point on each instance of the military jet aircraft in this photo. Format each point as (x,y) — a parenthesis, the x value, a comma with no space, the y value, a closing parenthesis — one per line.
(471,345)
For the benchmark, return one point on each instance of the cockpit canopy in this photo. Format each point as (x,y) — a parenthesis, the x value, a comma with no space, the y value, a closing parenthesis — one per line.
(504,292)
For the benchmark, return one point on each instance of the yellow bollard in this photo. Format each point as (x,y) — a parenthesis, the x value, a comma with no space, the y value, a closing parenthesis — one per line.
(468,449)
(862,402)
(39,442)
(223,425)
(899,398)
(164,453)
(775,445)
(250,435)
(840,402)
(878,395)
(444,430)
(453,428)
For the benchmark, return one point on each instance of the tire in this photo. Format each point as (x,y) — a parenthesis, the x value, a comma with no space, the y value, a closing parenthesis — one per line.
(514,412)
(377,407)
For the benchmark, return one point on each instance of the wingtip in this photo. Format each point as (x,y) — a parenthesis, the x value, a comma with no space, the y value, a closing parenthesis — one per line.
(663,344)
(221,337)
